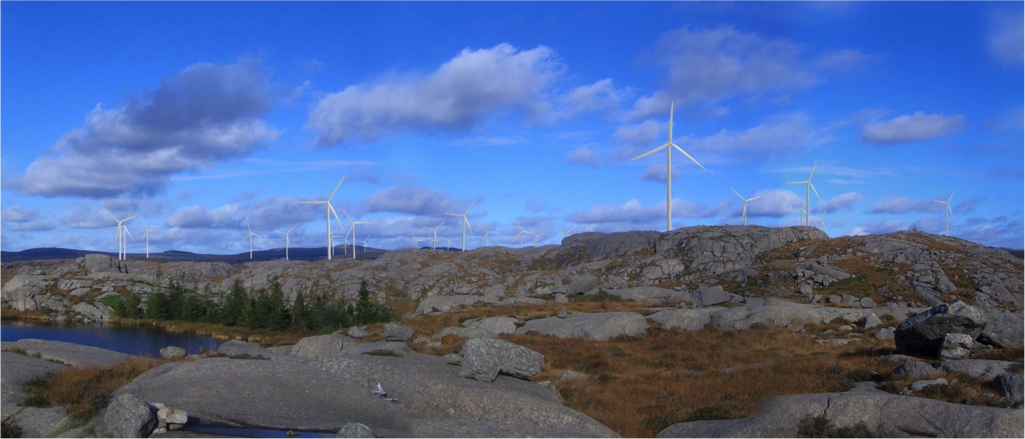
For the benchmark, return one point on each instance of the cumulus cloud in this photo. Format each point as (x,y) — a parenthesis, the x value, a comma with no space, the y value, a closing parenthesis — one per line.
(641,134)
(262,214)
(774,203)
(905,205)
(714,64)
(453,97)
(417,201)
(911,128)
(585,157)
(844,61)
(782,133)
(601,96)
(194,119)
(840,202)
(657,173)
(1007,37)
(21,219)
(633,211)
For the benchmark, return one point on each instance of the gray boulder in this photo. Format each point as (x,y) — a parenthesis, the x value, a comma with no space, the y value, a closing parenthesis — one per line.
(395,332)
(484,359)
(648,294)
(97,311)
(596,326)
(17,370)
(710,296)
(390,348)
(1010,386)
(358,332)
(20,292)
(885,414)
(684,319)
(464,332)
(127,416)
(885,334)
(984,370)
(239,348)
(916,369)
(355,430)
(68,353)
(871,321)
(322,345)
(435,304)
(1003,330)
(172,352)
(956,346)
(97,263)
(865,302)
(921,385)
(923,333)
(494,325)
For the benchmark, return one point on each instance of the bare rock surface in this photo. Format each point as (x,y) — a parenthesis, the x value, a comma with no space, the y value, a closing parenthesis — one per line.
(589,326)
(651,295)
(239,348)
(494,325)
(1003,329)
(885,414)
(326,394)
(388,348)
(484,359)
(924,332)
(322,345)
(17,370)
(68,353)
(980,369)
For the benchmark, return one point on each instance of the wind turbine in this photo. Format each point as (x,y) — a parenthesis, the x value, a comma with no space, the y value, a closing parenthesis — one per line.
(146,231)
(947,212)
(434,241)
(449,245)
(807,195)
(121,242)
(345,245)
(416,241)
(519,235)
(250,236)
(566,232)
(744,215)
(535,237)
(352,228)
(668,146)
(465,223)
(364,245)
(327,210)
(286,239)
(485,235)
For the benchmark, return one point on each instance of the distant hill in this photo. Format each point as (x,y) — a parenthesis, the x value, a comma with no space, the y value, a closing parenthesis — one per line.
(300,254)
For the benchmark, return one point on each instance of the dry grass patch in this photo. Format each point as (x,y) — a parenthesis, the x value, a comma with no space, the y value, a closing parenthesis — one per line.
(84,389)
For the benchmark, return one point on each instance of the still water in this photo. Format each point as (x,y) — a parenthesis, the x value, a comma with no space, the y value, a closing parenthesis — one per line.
(128,339)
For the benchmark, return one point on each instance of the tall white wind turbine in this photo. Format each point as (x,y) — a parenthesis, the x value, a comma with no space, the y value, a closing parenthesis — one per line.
(519,235)
(286,240)
(327,213)
(807,195)
(566,232)
(947,214)
(122,244)
(668,146)
(448,241)
(145,234)
(416,241)
(250,236)
(434,241)
(364,245)
(465,223)
(352,228)
(745,200)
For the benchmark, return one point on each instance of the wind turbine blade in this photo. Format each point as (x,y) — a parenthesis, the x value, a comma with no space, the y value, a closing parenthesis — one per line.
(311,202)
(950,210)
(797,182)
(571,229)
(941,202)
(518,226)
(755,198)
(136,216)
(951,196)
(247,227)
(738,194)
(129,233)
(346,215)
(688,156)
(336,215)
(475,201)
(336,188)
(293,227)
(813,169)
(665,145)
(111,215)
(468,224)
(815,191)
(452,214)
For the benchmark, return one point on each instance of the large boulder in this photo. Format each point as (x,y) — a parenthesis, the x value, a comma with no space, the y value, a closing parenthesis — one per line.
(127,416)
(923,333)
(596,326)
(984,370)
(436,304)
(396,332)
(1010,386)
(915,369)
(239,348)
(484,359)
(684,319)
(171,352)
(97,263)
(884,414)
(1003,330)
(20,292)
(96,311)
(956,346)
(651,295)
(322,345)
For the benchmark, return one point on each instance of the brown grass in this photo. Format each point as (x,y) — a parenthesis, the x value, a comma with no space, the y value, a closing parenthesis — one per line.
(85,389)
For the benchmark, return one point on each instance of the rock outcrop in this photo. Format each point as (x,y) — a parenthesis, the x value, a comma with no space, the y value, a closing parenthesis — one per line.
(597,326)
(924,332)
(483,359)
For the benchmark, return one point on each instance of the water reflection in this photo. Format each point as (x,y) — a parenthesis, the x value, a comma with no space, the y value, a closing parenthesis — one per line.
(128,339)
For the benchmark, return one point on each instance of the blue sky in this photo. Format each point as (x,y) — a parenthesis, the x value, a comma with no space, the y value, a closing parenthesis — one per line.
(203,117)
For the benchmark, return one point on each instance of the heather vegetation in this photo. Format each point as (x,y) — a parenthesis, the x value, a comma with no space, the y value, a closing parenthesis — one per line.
(265,308)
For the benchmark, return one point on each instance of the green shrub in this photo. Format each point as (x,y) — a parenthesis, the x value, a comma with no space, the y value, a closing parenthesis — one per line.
(821,426)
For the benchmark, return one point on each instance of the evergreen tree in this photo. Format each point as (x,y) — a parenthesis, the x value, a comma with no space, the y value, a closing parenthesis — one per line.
(132,305)
(157,307)
(299,315)
(235,307)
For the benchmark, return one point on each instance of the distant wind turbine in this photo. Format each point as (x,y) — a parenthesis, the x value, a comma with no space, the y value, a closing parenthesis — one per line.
(122,245)
(566,232)
(465,223)
(519,235)
(364,245)
(250,236)
(947,214)
(434,240)
(449,243)
(744,215)
(145,234)
(286,240)
(352,228)
(327,213)
(486,232)
(807,195)
(668,146)
(416,241)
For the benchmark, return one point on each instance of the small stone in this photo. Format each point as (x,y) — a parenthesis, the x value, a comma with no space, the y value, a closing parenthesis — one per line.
(956,346)
(871,321)
(845,328)
(358,332)
(172,352)
(834,299)
(562,313)
(806,289)
(570,374)
(867,303)
(171,415)
(885,334)
(561,298)
(454,359)
(919,386)
(393,332)
(915,369)
(355,430)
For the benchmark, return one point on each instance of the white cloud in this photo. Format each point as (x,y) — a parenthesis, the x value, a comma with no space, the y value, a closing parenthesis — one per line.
(261,214)
(905,205)
(715,64)
(601,96)
(911,128)
(1007,37)
(585,157)
(456,96)
(657,173)
(776,203)
(840,202)
(198,117)
(633,211)
(417,201)
(844,61)
(21,219)
(781,134)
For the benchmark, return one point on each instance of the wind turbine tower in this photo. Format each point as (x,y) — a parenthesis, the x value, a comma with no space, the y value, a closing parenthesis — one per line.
(947,213)
(250,236)
(566,232)
(122,243)
(807,195)
(286,241)
(352,228)
(145,234)
(327,210)
(519,235)
(465,223)
(434,241)
(745,200)
(668,146)
(486,232)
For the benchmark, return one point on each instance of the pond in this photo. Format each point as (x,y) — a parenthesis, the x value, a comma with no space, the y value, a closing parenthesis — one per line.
(128,339)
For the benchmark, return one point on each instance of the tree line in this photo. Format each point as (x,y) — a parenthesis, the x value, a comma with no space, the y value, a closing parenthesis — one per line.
(265,308)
